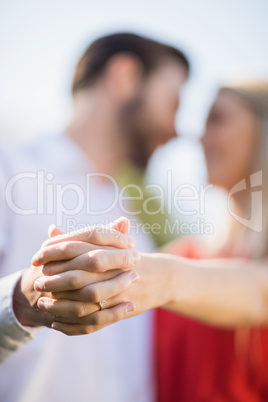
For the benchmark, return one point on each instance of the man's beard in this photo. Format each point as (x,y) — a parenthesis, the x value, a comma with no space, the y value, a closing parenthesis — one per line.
(138,133)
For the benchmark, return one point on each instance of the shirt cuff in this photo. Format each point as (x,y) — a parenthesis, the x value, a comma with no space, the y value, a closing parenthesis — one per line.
(13,335)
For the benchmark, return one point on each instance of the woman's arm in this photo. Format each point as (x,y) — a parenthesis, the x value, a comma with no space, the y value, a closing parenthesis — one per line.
(226,292)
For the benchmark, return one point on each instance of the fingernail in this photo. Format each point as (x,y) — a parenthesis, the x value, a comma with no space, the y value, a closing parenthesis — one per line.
(130,241)
(39,285)
(136,257)
(41,304)
(130,307)
(134,276)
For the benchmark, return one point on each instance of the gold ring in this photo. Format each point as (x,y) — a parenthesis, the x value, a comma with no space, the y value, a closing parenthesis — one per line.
(102,304)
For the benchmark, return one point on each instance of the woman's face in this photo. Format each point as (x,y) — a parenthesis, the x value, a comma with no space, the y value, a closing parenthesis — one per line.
(230,140)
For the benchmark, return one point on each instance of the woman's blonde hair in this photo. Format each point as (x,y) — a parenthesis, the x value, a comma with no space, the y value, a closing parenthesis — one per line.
(255,94)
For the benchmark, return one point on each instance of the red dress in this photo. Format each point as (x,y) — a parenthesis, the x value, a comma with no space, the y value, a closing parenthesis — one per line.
(200,363)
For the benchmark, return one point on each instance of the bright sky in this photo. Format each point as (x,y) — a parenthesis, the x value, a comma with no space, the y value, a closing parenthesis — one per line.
(40,42)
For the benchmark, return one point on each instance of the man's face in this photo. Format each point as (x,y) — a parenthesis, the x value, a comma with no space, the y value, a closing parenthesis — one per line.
(150,119)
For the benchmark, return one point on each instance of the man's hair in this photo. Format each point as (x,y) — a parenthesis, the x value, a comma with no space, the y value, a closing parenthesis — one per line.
(148,51)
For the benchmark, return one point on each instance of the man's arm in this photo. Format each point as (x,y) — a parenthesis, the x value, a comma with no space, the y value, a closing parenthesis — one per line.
(20,317)
(13,335)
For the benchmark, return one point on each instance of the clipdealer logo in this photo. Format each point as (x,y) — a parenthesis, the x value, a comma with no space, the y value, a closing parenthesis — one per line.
(255,220)
(46,195)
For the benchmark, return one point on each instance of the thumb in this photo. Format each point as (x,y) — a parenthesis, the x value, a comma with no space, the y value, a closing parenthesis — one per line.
(121,225)
(54,231)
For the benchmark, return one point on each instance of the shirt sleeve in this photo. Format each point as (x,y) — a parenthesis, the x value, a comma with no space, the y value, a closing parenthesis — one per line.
(12,334)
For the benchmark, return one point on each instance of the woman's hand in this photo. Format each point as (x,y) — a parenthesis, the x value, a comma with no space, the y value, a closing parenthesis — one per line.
(79,275)
(79,284)
(223,292)
(25,298)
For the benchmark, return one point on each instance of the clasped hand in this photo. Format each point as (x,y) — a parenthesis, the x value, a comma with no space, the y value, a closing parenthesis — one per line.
(80,270)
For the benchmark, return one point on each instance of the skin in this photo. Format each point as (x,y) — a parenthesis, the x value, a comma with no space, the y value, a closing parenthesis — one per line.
(26,294)
(213,291)
(124,110)
(231,144)
(150,118)
(230,137)
(205,290)
(103,127)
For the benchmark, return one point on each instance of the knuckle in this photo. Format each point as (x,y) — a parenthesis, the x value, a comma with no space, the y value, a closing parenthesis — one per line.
(90,260)
(62,247)
(93,236)
(97,260)
(125,259)
(66,248)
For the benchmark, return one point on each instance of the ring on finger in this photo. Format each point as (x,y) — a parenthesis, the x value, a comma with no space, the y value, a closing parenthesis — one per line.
(102,304)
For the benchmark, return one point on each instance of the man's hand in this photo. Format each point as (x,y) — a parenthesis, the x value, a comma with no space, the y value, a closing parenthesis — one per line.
(76,294)
(25,296)
(79,275)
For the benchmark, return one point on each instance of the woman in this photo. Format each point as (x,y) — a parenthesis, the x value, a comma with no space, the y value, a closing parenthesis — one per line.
(228,289)
(219,364)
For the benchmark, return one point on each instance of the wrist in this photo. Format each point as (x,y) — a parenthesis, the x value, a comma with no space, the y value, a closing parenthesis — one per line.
(25,302)
(164,270)
(172,279)
(21,306)
(184,285)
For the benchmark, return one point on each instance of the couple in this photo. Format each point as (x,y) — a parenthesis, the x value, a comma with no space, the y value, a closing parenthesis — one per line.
(94,277)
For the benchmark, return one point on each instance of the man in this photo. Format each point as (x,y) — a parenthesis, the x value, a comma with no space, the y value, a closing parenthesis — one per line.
(126,93)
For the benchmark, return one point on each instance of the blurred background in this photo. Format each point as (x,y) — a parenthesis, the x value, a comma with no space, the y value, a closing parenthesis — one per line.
(41,42)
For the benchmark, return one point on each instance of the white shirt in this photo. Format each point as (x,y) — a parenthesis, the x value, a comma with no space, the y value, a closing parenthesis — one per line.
(112,365)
